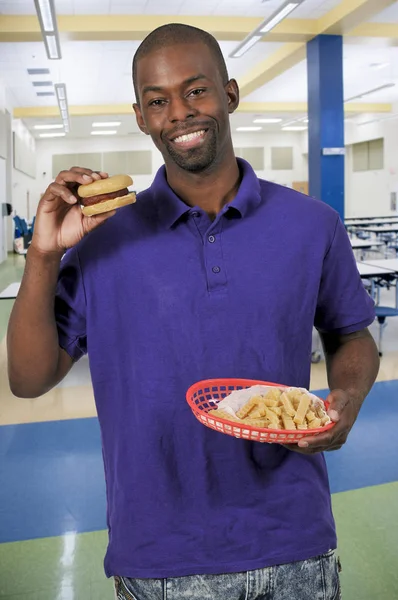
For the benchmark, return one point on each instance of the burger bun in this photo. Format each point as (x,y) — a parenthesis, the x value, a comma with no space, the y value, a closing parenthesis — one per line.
(105,186)
(108,205)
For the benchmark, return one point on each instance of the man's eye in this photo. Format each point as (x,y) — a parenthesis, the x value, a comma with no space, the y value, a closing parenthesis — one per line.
(156,102)
(197,92)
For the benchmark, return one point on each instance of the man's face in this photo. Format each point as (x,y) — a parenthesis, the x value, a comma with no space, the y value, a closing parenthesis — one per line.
(184,105)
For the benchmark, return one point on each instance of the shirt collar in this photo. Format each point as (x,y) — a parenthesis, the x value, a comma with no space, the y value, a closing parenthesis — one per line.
(171,208)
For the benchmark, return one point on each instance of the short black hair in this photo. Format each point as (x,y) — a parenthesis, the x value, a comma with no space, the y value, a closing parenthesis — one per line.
(178,33)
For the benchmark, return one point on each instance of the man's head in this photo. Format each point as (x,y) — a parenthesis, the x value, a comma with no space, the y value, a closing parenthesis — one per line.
(183,96)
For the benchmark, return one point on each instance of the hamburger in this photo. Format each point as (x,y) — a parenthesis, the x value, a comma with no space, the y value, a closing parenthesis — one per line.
(105,195)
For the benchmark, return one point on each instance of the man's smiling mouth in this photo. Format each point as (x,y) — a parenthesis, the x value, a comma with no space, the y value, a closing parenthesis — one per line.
(186,138)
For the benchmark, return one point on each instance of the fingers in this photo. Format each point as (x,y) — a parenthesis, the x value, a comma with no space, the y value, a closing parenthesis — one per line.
(330,440)
(79,175)
(90,223)
(338,400)
(55,190)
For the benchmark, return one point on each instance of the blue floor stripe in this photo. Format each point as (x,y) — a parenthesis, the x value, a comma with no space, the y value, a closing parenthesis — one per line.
(370,455)
(52,478)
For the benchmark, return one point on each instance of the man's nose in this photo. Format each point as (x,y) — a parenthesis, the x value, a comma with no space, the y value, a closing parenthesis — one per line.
(180,109)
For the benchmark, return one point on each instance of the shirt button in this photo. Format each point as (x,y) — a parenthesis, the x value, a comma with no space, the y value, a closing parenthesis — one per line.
(216,269)
(211,239)
(196,214)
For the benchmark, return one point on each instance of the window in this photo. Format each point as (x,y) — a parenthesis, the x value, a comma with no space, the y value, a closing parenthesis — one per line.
(368,156)
(254,156)
(133,162)
(282,159)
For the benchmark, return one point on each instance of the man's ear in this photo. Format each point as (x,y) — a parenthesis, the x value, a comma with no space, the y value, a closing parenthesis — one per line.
(140,119)
(232,90)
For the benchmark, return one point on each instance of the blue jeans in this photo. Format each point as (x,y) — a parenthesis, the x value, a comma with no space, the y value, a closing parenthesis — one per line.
(313,579)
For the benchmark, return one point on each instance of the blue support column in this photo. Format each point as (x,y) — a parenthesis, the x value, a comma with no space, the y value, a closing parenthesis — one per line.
(326,120)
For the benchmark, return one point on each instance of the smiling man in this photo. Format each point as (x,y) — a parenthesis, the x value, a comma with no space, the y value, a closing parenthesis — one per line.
(213,273)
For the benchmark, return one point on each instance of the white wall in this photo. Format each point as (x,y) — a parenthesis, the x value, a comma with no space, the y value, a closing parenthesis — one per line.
(369,193)
(23,186)
(6,223)
(46,148)
(270,140)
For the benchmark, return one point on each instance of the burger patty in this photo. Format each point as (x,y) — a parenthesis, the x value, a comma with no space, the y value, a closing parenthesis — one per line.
(103,197)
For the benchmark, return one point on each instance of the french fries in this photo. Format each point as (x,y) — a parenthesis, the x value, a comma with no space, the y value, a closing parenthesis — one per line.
(287,409)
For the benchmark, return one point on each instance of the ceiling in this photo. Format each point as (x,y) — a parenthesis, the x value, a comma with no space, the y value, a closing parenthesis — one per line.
(311,9)
(272,74)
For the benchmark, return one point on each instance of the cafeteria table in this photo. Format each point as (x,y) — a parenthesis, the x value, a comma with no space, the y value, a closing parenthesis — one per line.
(383,312)
(11,291)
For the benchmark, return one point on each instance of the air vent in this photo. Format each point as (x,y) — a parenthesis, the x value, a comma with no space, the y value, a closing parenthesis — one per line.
(42,83)
(39,71)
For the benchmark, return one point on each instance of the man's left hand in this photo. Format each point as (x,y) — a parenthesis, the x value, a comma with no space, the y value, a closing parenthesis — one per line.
(343,411)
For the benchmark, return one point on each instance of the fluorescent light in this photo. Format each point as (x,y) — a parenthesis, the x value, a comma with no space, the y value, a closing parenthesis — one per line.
(60,89)
(108,132)
(48,24)
(267,121)
(379,65)
(52,47)
(292,122)
(248,128)
(53,126)
(108,124)
(265,27)
(373,91)
(294,128)
(45,10)
(278,16)
(378,120)
(245,46)
(51,135)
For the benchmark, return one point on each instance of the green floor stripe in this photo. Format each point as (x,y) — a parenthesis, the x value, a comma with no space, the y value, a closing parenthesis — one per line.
(367,527)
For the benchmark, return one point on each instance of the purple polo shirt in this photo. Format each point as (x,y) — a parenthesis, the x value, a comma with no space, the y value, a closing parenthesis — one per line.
(161,297)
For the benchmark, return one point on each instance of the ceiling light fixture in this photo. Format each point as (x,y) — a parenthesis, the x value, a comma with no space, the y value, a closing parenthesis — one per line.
(51,135)
(267,121)
(373,91)
(389,118)
(48,24)
(278,16)
(60,90)
(382,65)
(298,128)
(248,128)
(52,126)
(245,45)
(108,132)
(265,27)
(107,124)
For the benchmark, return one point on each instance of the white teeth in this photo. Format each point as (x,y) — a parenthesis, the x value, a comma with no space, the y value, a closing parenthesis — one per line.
(189,136)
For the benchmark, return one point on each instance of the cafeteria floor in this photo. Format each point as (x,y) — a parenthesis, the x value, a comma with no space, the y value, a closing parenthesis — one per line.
(52,498)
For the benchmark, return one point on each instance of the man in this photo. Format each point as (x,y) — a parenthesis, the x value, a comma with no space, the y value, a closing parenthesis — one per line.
(213,273)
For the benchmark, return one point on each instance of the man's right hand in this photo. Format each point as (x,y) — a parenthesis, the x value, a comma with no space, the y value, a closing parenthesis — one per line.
(60,222)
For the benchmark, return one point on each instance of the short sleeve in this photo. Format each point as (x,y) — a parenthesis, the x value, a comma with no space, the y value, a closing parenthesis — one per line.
(343,306)
(70,306)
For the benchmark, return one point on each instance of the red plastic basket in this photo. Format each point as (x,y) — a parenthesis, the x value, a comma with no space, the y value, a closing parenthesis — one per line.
(205,395)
